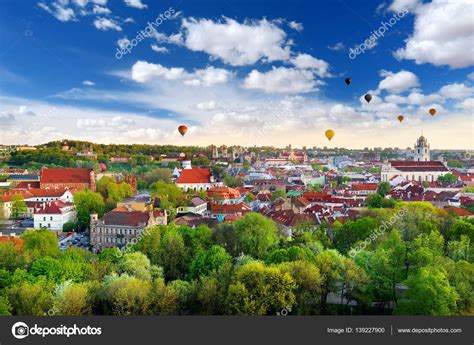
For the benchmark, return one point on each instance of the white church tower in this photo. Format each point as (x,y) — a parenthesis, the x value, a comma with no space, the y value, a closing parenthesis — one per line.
(422,150)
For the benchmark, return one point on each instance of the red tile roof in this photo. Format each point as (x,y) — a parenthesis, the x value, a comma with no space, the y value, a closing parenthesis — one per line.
(365,186)
(418,166)
(54,207)
(65,175)
(223,193)
(194,175)
(230,208)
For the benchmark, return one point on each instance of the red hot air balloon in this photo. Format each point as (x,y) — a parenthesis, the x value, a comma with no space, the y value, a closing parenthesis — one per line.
(103,167)
(182,130)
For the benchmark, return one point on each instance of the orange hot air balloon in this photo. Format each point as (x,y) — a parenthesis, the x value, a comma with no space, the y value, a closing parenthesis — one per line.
(182,130)
(329,134)
(432,111)
(400,118)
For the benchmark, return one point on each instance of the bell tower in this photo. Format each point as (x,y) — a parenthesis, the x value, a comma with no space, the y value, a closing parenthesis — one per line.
(422,150)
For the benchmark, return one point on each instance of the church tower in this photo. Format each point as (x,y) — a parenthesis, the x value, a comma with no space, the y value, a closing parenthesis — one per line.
(422,150)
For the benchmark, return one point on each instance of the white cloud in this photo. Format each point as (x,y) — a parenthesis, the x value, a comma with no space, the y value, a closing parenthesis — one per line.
(443,33)
(210,76)
(306,61)
(159,49)
(122,42)
(281,80)
(136,4)
(83,3)
(398,82)
(106,24)
(471,76)
(337,47)
(235,43)
(296,26)
(456,91)
(101,10)
(88,83)
(467,105)
(59,10)
(143,71)
(400,5)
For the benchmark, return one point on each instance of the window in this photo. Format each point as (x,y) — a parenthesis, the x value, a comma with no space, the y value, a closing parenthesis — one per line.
(44,218)
(49,225)
(51,218)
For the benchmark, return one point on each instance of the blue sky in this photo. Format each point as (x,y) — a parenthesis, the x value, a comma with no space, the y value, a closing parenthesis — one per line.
(237,72)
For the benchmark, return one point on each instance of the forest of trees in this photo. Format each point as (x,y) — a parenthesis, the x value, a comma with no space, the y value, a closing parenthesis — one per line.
(422,263)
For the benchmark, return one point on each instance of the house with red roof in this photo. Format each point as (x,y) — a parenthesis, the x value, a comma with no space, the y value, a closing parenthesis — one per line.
(221,211)
(54,214)
(195,179)
(363,189)
(224,195)
(70,178)
(122,225)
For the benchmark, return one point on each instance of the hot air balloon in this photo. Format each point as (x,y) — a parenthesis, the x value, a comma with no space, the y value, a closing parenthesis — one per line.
(182,130)
(368,97)
(400,118)
(432,111)
(103,167)
(348,81)
(329,134)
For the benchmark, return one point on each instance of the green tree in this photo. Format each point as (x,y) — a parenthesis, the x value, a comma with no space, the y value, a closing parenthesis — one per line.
(30,298)
(19,207)
(447,179)
(256,234)
(128,295)
(331,267)
(279,193)
(172,254)
(39,243)
(72,299)
(86,203)
(11,257)
(209,260)
(428,293)
(136,264)
(260,290)
(383,189)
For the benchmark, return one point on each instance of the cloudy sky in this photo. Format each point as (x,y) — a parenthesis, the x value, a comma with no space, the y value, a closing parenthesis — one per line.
(248,72)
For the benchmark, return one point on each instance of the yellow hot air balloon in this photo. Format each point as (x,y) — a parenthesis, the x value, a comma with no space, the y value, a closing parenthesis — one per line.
(432,111)
(400,118)
(329,134)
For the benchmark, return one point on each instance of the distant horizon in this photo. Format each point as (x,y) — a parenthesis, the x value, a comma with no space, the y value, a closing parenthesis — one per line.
(308,147)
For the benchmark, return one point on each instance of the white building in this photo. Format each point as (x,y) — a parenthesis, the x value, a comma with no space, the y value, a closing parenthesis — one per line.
(54,215)
(421,152)
(195,179)
(421,169)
